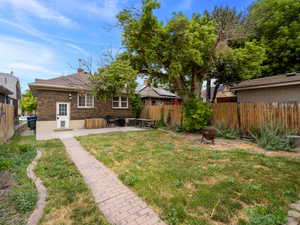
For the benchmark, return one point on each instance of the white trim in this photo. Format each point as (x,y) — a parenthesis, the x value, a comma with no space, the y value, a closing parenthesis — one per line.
(85,107)
(120,103)
(65,118)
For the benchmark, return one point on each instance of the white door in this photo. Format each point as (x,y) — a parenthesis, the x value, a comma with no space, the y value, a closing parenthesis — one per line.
(63,114)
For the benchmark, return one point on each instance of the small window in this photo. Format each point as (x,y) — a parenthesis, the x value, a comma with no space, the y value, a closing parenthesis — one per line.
(85,100)
(120,102)
(62,109)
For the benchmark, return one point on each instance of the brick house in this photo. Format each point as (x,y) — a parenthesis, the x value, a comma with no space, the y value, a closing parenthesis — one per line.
(65,102)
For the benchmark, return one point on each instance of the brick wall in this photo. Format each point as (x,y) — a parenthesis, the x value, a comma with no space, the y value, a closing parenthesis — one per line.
(46,110)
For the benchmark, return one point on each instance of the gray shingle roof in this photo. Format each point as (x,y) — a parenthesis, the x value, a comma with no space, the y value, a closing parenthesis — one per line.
(146,91)
(78,81)
(279,80)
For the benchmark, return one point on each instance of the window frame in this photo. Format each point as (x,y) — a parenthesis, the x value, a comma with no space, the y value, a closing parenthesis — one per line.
(85,101)
(120,102)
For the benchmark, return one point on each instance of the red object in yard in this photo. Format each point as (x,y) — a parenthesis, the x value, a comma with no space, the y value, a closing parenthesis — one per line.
(175,102)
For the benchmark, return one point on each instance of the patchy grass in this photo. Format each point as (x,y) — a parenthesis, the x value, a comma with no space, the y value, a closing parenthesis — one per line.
(19,200)
(69,199)
(190,185)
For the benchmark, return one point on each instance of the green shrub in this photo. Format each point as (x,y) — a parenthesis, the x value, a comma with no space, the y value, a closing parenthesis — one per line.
(160,123)
(272,137)
(24,198)
(5,163)
(196,114)
(262,215)
(225,132)
(137,105)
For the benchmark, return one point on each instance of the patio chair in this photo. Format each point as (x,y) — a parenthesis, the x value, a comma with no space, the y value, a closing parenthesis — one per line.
(109,120)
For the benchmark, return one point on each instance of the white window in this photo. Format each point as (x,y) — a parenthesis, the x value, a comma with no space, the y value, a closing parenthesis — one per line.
(120,102)
(85,100)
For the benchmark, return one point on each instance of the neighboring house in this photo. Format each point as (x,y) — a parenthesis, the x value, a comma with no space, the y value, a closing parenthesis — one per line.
(65,102)
(4,95)
(11,82)
(275,89)
(223,94)
(157,96)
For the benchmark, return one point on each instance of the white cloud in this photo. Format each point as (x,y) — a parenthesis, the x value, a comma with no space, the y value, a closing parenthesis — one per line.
(26,29)
(36,9)
(78,49)
(27,59)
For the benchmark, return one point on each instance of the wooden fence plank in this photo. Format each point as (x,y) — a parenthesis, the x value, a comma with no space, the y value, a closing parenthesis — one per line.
(7,124)
(171,114)
(256,115)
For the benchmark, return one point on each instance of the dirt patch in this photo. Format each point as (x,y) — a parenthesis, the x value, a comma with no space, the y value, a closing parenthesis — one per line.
(211,180)
(227,144)
(260,167)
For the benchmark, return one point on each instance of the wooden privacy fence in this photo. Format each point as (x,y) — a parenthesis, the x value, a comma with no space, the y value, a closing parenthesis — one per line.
(245,116)
(7,125)
(171,114)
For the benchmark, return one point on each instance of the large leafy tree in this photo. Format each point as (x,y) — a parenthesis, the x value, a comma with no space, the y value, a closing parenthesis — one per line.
(233,65)
(235,58)
(176,53)
(182,52)
(28,102)
(115,79)
(277,26)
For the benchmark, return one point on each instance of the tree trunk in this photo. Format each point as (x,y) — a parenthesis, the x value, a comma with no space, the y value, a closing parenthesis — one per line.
(196,86)
(208,90)
(215,93)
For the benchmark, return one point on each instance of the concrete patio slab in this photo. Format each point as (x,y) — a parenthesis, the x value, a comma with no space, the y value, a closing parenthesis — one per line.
(51,134)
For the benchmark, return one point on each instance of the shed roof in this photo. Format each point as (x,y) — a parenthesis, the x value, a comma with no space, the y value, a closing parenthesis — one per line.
(146,91)
(272,81)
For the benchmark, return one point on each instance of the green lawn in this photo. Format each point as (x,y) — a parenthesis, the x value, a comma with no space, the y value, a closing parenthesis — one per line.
(70,202)
(187,184)
(19,201)
(69,199)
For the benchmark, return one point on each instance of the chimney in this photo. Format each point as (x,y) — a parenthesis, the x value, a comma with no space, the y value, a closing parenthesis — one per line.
(80,70)
(147,83)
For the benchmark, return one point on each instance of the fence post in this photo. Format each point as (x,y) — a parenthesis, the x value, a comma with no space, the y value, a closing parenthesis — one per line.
(239,118)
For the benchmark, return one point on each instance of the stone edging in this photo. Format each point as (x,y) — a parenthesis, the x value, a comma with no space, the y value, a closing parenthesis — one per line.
(42,192)
(294,214)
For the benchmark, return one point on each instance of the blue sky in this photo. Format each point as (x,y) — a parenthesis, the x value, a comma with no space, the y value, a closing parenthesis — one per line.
(45,38)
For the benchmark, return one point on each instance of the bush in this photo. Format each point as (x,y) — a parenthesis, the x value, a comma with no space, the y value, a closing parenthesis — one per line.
(228,133)
(196,114)
(160,123)
(272,137)
(137,105)
(24,198)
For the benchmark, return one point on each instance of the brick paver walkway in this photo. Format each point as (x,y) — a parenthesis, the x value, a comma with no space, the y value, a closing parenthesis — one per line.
(119,204)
